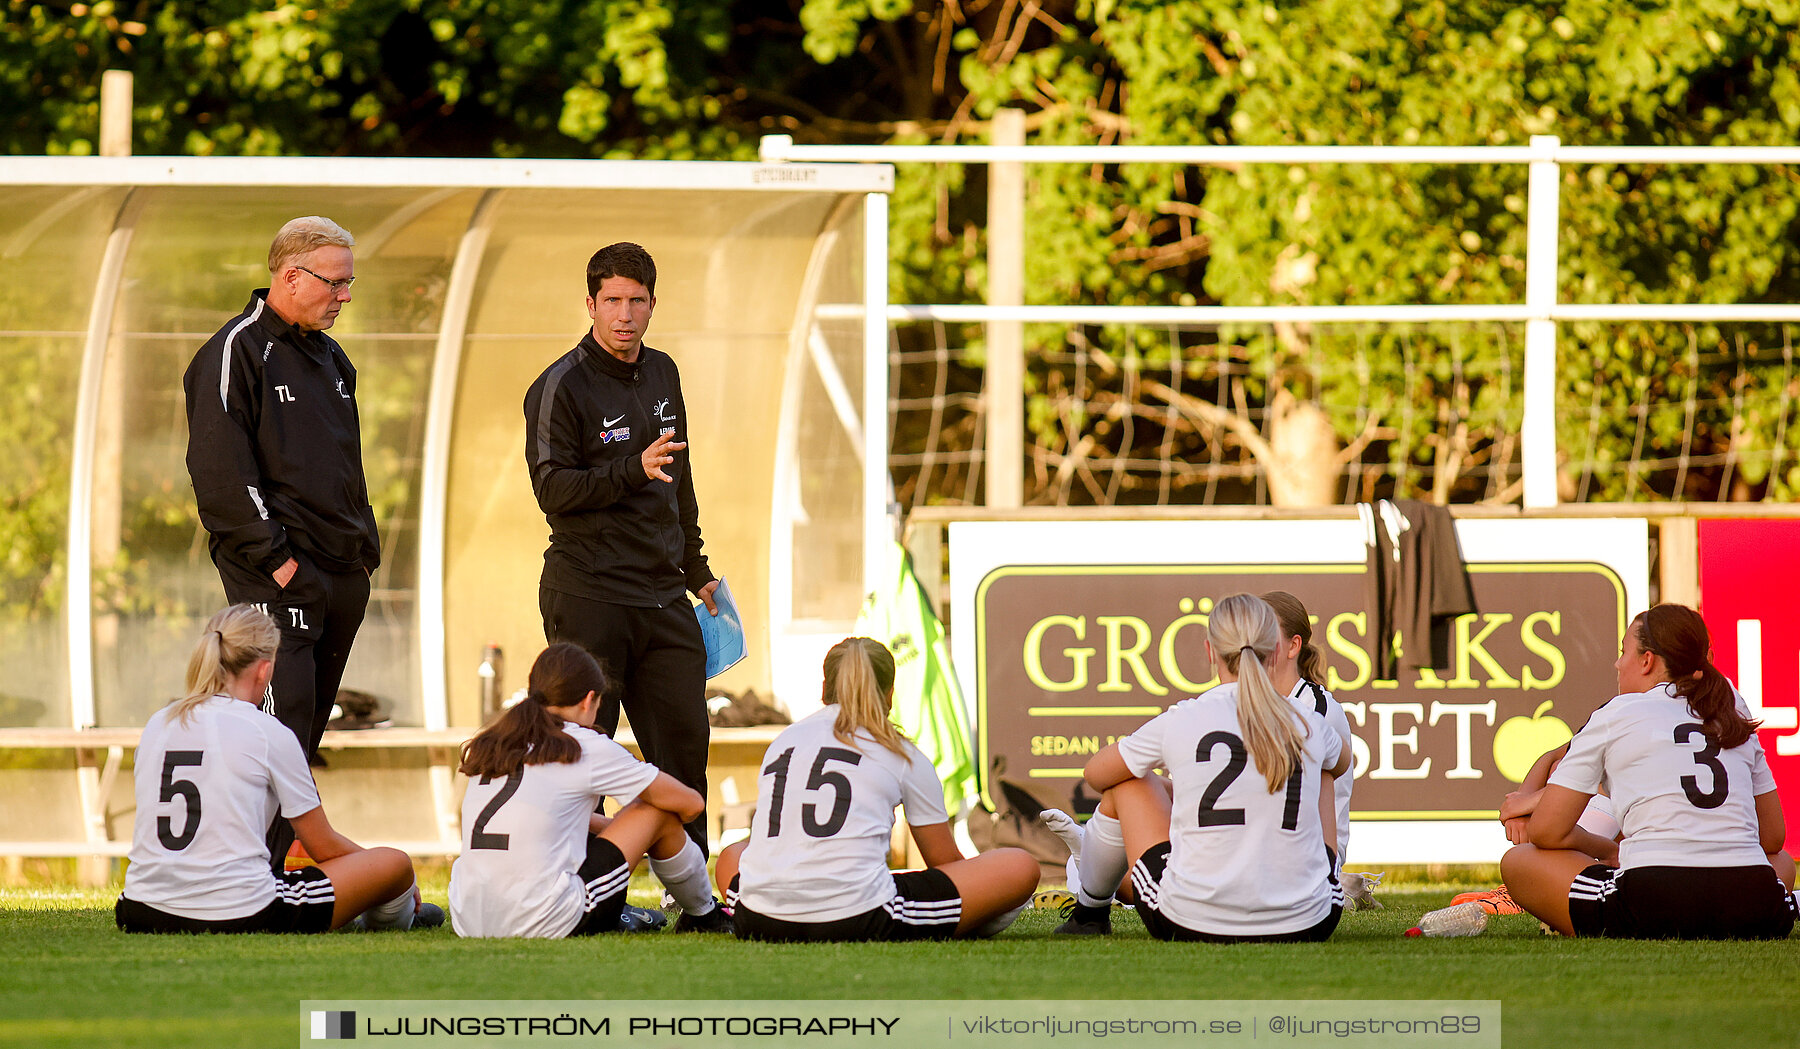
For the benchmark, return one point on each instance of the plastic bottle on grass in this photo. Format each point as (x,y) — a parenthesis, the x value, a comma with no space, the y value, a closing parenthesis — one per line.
(1464,919)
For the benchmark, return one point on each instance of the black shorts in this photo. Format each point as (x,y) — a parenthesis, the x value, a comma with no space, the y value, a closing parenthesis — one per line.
(606,876)
(1147,873)
(926,906)
(1681,903)
(303,903)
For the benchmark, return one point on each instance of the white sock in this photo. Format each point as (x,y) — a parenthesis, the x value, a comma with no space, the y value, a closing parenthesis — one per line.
(1063,826)
(396,913)
(1102,861)
(999,923)
(1598,818)
(684,875)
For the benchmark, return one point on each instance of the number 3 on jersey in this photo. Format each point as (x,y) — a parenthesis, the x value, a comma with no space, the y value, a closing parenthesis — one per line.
(1707,756)
(818,779)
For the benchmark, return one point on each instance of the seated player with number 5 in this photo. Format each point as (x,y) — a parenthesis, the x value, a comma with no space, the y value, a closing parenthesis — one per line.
(815,866)
(212,771)
(537,861)
(1241,855)
(1703,830)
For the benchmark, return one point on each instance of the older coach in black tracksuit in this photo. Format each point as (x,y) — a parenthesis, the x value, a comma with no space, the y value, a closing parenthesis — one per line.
(605,440)
(275,454)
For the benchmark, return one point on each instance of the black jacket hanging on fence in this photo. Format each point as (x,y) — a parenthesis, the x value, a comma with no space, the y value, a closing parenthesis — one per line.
(1416,584)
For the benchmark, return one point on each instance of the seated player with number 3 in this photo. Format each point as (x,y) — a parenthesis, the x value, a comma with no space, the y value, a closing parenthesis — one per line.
(537,861)
(815,865)
(1241,855)
(1701,854)
(212,771)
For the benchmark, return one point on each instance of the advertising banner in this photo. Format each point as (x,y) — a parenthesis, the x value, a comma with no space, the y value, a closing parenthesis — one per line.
(1069,635)
(1749,574)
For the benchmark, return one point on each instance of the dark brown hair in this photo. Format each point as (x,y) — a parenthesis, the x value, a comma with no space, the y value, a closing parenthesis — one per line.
(1295,622)
(623,259)
(527,733)
(1678,635)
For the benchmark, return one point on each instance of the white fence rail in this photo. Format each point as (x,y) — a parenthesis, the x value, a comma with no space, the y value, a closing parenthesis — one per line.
(1540,312)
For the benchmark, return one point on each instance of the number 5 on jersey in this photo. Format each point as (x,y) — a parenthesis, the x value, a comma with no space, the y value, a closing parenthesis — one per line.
(185,789)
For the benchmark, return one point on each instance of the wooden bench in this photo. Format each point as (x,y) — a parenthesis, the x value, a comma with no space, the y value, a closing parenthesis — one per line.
(100,752)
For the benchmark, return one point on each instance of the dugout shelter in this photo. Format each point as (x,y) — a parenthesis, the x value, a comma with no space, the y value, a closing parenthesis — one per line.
(470,281)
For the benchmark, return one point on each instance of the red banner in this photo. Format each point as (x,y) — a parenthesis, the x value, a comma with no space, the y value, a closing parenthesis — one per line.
(1749,574)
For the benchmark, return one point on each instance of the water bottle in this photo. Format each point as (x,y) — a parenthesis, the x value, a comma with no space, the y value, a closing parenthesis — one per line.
(1464,919)
(493,663)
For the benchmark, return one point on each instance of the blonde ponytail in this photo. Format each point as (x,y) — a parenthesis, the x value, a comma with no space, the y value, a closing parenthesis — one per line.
(859,678)
(1274,733)
(235,638)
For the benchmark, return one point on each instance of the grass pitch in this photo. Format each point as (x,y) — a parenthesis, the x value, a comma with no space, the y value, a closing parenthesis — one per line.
(69,978)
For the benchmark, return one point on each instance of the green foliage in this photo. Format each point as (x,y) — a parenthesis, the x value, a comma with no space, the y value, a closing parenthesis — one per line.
(686,79)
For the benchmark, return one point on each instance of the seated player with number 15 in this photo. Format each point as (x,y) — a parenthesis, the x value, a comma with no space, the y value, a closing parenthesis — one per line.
(815,867)
(537,861)
(212,771)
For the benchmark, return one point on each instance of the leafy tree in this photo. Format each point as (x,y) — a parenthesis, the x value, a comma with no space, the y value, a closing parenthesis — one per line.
(1438,409)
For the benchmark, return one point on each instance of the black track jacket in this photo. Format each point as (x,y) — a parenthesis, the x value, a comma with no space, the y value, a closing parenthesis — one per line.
(275,447)
(615,534)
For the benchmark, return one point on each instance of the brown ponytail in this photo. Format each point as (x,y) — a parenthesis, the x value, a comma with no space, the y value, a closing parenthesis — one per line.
(527,733)
(1296,622)
(1678,635)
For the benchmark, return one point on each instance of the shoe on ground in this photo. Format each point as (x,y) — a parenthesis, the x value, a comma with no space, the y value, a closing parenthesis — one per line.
(715,920)
(1493,901)
(428,916)
(1086,921)
(1359,894)
(641,919)
(1052,899)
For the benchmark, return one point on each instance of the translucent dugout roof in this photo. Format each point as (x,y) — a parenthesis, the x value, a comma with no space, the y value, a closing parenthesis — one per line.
(470,281)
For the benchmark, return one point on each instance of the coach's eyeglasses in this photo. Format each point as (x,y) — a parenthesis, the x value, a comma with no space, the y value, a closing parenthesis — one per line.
(335,285)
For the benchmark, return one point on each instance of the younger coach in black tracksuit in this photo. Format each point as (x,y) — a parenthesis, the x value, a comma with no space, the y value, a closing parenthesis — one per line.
(624,545)
(275,454)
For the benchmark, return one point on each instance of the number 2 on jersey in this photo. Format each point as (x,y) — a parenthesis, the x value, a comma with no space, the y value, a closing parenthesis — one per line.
(817,779)
(479,838)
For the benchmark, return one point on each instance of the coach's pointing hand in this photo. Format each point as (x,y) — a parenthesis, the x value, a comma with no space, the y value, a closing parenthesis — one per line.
(660,454)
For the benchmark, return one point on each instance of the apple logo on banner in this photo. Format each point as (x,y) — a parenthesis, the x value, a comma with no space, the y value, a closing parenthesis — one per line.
(1519,742)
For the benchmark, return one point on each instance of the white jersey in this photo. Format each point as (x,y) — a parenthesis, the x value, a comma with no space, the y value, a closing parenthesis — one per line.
(206,794)
(1680,800)
(525,837)
(1317,699)
(1242,861)
(824,816)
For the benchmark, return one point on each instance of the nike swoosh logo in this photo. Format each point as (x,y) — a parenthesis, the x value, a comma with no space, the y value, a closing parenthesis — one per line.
(609,423)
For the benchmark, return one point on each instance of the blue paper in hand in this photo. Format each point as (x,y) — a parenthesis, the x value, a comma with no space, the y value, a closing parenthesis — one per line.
(723,633)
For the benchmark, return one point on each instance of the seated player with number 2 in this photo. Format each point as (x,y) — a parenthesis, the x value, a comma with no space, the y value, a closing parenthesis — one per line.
(1241,855)
(537,861)
(1701,854)
(815,866)
(212,771)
